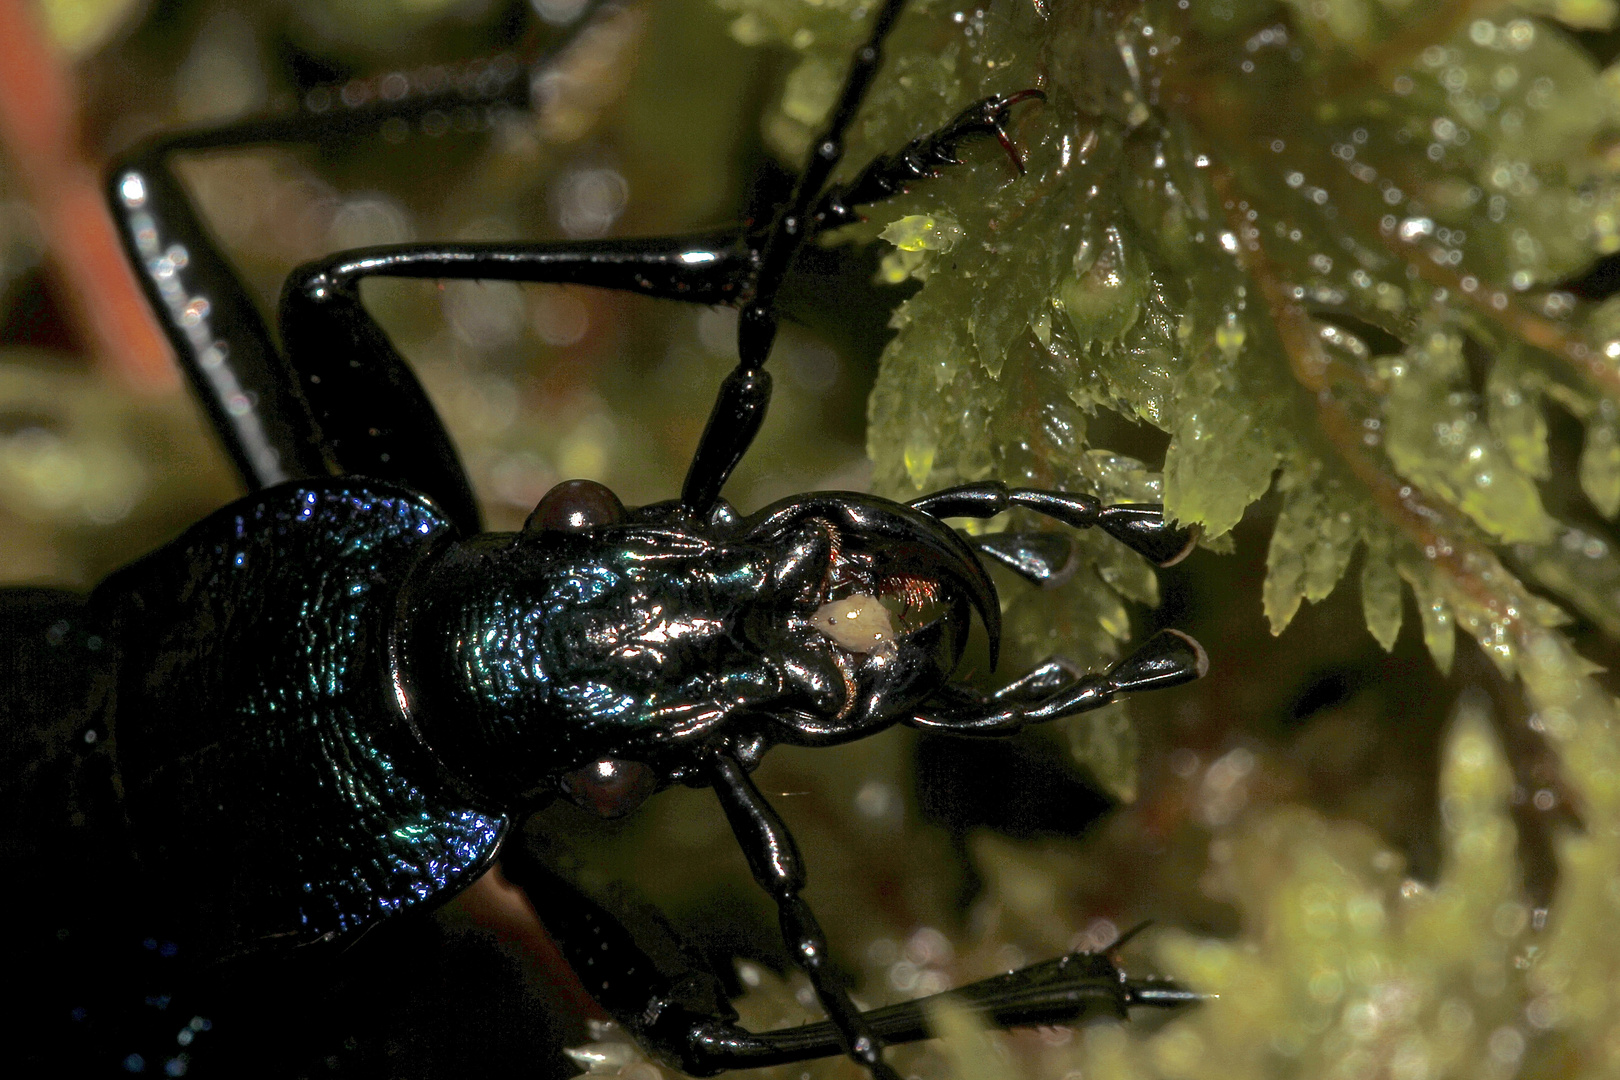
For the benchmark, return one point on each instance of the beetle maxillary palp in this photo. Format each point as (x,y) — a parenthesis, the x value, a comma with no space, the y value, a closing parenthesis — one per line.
(858,622)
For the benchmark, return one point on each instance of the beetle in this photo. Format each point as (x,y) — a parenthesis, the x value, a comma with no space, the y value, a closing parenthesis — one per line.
(334,699)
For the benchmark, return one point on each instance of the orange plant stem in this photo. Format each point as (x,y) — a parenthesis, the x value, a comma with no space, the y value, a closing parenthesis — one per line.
(40,132)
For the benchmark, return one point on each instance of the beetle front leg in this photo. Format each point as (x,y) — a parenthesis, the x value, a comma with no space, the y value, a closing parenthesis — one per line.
(1142,527)
(1053,691)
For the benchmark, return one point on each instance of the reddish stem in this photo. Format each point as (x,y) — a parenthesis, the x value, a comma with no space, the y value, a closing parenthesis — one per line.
(40,132)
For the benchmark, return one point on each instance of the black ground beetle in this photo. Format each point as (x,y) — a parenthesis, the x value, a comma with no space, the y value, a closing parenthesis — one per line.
(333,699)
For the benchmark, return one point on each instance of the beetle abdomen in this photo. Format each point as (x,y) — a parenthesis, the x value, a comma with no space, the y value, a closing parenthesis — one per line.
(268,775)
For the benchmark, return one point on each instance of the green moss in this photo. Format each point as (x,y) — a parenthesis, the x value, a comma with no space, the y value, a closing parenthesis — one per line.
(1435,438)
(1346,966)
(1311,546)
(1218,201)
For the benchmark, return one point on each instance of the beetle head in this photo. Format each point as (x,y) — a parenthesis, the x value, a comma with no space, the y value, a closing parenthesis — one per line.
(868,611)
(601,650)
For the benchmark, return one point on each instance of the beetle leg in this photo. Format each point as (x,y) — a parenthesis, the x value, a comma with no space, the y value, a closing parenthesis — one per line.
(1168,658)
(774,858)
(1140,526)
(1065,990)
(890,174)
(218,336)
(744,396)
(636,967)
(372,415)
(222,343)
(740,409)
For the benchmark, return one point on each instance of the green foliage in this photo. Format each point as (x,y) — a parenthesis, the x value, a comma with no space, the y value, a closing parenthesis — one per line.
(1287,235)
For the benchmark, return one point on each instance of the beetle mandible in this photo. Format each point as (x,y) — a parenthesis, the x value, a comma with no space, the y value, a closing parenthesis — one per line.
(343,692)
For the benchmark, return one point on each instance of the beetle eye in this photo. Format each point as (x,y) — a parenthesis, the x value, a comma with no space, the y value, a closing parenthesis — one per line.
(575,505)
(610,787)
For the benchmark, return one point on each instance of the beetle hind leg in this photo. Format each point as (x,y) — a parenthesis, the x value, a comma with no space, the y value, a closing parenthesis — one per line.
(249,391)
(662,993)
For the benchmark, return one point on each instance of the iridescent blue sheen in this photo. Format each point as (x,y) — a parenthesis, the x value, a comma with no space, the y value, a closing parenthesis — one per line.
(268,773)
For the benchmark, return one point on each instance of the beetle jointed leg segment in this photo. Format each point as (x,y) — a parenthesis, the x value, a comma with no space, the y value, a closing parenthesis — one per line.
(922,158)
(631,961)
(746,393)
(222,343)
(373,416)
(777,866)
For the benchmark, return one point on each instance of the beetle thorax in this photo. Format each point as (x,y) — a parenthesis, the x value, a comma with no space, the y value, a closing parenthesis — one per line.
(525,658)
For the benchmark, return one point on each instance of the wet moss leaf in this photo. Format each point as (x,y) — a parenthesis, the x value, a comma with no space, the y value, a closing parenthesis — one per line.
(1103,296)
(1222,452)
(1381,590)
(1434,613)
(1516,421)
(1311,546)
(1583,569)
(1105,742)
(968,1047)
(1600,462)
(1436,438)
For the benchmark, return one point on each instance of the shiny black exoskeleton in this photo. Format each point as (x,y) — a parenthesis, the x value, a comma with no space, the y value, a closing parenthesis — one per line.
(333,699)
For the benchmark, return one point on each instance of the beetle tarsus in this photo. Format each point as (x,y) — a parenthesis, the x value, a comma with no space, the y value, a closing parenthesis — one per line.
(920,159)
(999,109)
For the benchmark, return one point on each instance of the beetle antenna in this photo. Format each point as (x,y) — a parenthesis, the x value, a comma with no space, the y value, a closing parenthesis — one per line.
(740,409)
